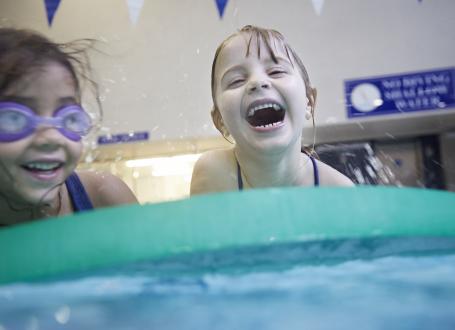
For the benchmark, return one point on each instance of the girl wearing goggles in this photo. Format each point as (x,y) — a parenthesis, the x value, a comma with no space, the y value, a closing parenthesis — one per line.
(41,129)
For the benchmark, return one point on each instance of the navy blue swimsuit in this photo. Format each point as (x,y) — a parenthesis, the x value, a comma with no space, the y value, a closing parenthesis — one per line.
(315,171)
(78,195)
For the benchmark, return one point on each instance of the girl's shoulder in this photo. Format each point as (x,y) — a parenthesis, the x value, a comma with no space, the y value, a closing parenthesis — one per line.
(214,171)
(328,176)
(105,189)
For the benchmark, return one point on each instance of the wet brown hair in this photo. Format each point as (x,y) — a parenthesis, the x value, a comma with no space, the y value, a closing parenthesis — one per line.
(268,37)
(23,51)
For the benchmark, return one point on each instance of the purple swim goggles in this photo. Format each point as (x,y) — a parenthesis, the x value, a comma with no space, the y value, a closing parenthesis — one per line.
(18,121)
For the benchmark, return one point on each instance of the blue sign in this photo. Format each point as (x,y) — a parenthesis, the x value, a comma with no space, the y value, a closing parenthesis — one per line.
(419,91)
(123,138)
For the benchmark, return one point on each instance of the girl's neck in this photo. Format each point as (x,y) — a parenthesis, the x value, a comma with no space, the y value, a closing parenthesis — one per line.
(287,168)
(12,212)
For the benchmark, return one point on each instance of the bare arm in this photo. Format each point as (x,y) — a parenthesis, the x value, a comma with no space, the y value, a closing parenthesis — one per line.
(213,173)
(331,177)
(106,189)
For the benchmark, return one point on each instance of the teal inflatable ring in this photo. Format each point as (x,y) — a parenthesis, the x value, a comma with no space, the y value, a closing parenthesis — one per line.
(114,236)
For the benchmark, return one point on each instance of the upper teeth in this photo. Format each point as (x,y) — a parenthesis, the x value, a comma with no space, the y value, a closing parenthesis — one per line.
(43,166)
(275,106)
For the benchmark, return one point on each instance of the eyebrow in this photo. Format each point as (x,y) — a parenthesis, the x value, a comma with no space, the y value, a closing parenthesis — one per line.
(67,99)
(231,69)
(32,101)
(281,59)
(237,67)
(29,101)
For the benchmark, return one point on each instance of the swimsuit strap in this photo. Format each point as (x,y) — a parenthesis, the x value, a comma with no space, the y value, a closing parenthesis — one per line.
(315,173)
(239,175)
(78,195)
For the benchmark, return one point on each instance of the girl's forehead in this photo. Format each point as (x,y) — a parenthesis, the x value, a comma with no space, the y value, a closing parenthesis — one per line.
(247,44)
(242,47)
(46,72)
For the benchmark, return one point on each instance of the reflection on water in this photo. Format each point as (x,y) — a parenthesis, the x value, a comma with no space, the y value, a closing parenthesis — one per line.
(385,284)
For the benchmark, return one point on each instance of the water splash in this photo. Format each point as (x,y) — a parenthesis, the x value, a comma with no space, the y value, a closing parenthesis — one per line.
(359,162)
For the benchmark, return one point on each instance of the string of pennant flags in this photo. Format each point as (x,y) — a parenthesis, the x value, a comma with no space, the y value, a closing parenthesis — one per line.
(135,7)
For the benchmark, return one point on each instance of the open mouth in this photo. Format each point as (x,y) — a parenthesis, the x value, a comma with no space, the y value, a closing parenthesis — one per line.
(42,167)
(265,115)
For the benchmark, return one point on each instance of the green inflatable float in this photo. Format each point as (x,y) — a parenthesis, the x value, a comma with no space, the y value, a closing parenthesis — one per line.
(115,236)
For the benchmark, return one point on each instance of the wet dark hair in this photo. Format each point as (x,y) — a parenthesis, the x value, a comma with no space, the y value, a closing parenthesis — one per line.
(268,37)
(23,51)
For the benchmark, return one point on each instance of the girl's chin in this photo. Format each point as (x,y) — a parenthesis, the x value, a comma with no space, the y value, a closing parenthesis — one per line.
(40,197)
(270,143)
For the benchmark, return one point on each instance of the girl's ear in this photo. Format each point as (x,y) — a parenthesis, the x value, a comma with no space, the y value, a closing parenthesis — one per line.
(312,96)
(218,121)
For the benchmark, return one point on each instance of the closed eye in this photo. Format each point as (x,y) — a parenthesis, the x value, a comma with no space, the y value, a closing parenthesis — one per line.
(236,82)
(277,73)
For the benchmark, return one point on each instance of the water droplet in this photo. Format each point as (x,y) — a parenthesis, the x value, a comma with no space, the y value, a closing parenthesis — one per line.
(62,315)
(89,158)
(32,324)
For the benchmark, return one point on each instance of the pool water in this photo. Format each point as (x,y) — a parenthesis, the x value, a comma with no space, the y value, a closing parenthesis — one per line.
(346,284)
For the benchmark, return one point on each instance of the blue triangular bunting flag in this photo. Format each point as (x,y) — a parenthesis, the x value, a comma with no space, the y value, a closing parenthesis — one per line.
(51,8)
(221,5)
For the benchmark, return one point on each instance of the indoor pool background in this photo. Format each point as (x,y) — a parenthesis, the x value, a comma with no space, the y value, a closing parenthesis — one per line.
(401,283)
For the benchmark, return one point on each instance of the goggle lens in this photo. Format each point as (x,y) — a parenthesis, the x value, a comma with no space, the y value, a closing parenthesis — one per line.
(18,121)
(12,121)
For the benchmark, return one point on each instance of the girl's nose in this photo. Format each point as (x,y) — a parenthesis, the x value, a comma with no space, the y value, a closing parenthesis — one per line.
(258,84)
(48,138)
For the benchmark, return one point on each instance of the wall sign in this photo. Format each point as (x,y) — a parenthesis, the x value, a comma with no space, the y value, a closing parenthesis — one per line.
(123,138)
(410,92)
